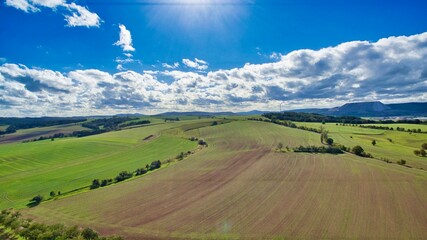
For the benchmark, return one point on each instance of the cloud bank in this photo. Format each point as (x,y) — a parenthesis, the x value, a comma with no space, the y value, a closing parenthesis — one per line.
(392,69)
(75,15)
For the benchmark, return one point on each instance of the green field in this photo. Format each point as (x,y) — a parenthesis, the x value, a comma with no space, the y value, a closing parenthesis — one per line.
(28,169)
(401,146)
(241,187)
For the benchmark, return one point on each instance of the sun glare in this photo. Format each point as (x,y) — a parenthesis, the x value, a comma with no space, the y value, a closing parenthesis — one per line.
(215,15)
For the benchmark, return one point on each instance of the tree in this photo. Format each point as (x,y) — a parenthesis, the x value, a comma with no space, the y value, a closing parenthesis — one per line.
(89,234)
(52,194)
(417,152)
(280,146)
(95,184)
(401,162)
(358,150)
(423,153)
(155,165)
(424,146)
(123,176)
(374,142)
(37,199)
(329,141)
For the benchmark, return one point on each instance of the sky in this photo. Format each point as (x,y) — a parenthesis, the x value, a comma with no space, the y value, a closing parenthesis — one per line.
(98,57)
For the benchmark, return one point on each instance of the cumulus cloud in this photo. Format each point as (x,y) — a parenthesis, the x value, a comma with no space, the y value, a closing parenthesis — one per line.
(23,5)
(196,64)
(391,70)
(80,16)
(171,66)
(125,40)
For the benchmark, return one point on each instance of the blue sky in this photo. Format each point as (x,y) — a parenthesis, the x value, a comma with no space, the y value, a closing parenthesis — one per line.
(174,41)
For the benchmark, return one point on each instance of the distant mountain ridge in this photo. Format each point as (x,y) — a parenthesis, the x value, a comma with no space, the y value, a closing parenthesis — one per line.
(372,109)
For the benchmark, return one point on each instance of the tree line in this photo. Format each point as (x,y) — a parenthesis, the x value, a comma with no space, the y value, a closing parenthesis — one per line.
(24,123)
(123,175)
(401,129)
(314,117)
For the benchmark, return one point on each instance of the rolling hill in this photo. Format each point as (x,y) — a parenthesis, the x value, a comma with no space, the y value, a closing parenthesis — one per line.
(371,109)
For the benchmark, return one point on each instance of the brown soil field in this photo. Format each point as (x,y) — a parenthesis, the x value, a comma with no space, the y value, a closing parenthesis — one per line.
(240,188)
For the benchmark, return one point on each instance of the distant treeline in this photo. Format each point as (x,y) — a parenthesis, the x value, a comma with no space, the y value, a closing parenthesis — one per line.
(401,129)
(107,123)
(24,123)
(314,117)
(287,123)
(96,126)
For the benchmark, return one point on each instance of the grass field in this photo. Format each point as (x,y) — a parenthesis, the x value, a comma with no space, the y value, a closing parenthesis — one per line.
(401,146)
(239,187)
(28,169)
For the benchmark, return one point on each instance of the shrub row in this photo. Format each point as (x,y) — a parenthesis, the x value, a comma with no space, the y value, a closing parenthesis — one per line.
(322,149)
(30,230)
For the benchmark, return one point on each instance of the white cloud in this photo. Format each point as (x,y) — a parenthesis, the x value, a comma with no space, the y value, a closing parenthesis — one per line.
(23,5)
(120,67)
(129,55)
(275,56)
(80,16)
(391,70)
(170,66)
(48,3)
(196,64)
(125,40)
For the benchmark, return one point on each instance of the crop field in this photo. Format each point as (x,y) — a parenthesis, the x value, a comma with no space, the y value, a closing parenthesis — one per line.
(29,169)
(240,187)
(32,133)
(392,145)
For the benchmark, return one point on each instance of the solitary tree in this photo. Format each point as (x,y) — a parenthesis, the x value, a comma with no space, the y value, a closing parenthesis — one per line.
(37,199)
(374,142)
(52,194)
(358,150)
(280,146)
(329,141)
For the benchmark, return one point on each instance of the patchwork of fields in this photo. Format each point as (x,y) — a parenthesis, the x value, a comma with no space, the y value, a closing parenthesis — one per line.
(29,169)
(240,187)
(390,144)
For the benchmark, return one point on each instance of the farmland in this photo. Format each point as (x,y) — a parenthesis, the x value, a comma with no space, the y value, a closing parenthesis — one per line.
(241,187)
(33,133)
(29,169)
(390,144)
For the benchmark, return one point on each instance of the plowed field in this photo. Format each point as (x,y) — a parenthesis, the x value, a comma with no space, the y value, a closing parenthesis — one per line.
(239,187)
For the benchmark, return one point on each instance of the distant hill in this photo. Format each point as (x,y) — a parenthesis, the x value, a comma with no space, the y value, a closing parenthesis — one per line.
(372,109)
(253,112)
